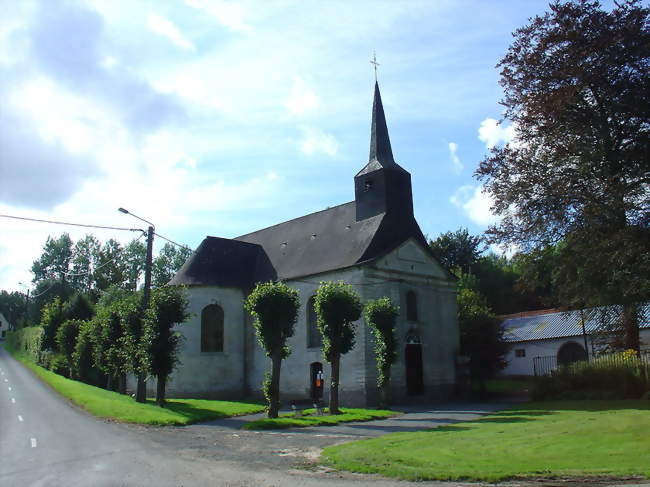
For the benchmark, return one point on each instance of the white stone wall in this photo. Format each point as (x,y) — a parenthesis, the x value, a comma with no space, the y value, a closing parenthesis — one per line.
(218,374)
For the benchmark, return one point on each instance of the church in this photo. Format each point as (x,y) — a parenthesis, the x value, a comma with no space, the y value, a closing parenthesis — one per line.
(373,243)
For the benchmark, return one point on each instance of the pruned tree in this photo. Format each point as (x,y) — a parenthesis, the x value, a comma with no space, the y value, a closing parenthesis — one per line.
(132,318)
(51,320)
(110,355)
(66,339)
(577,90)
(274,307)
(83,355)
(337,308)
(160,343)
(381,316)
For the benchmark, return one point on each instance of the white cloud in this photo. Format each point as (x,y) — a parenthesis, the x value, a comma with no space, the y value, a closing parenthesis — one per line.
(228,14)
(166,28)
(492,133)
(301,99)
(453,148)
(475,203)
(315,141)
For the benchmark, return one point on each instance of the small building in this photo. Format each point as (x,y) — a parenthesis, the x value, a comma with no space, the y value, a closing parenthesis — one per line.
(542,340)
(373,243)
(4,326)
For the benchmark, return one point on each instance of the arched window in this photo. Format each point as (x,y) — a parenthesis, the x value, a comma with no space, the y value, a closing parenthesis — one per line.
(314,338)
(212,328)
(571,352)
(411,306)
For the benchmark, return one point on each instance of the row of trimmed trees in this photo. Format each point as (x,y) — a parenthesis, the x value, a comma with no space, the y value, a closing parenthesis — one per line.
(101,345)
(275,306)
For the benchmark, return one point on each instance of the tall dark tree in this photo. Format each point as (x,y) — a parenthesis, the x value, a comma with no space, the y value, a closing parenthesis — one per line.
(337,308)
(577,90)
(274,305)
(457,250)
(78,307)
(169,260)
(14,307)
(160,342)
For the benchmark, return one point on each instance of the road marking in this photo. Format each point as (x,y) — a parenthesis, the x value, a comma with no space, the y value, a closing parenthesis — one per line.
(20,418)
(13,400)
(33,441)
(6,380)
(9,388)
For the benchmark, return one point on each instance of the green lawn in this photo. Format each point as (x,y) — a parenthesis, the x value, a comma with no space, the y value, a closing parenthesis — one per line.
(310,419)
(545,439)
(107,404)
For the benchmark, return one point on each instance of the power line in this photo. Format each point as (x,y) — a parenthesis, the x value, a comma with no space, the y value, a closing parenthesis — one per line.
(87,225)
(172,242)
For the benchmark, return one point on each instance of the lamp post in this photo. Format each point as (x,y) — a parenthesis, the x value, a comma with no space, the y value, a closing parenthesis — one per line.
(141,392)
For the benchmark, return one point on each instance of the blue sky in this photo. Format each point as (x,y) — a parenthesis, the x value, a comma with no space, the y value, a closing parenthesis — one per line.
(220,118)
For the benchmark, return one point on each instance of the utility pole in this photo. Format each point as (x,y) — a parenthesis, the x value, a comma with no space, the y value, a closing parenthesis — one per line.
(141,391)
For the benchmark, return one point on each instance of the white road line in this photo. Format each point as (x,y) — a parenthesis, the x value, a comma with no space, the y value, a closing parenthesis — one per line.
(6,380)
(9,388)
(13,400)
(20,418)
(33,441)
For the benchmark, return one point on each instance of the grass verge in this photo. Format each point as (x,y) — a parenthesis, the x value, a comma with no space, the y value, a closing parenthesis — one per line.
(546,439)
(310,419)
(108,404)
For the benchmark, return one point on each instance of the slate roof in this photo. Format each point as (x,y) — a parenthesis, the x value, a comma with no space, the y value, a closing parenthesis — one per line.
(566,323)
(225,262)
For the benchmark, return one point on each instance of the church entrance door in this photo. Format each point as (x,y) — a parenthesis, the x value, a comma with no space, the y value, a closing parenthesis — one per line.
(413,360)
(316,380)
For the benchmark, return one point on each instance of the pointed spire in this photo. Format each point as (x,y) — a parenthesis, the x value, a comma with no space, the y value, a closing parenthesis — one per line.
(380,149)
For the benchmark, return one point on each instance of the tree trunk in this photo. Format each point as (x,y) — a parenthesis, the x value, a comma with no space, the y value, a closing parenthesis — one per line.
(121,384)
(334,388)
(631,328)
(276,359)
(384,391)
(141,391)
(160,390)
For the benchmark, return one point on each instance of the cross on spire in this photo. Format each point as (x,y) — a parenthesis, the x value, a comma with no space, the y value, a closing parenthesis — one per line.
(374,61)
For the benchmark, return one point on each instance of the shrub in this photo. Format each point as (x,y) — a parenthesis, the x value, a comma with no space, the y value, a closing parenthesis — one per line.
(617,376)
(27,341)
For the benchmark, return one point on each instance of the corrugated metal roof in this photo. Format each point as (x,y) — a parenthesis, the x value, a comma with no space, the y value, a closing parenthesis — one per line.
(566,323)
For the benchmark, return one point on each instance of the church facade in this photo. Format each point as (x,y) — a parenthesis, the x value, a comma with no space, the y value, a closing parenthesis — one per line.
(373,243)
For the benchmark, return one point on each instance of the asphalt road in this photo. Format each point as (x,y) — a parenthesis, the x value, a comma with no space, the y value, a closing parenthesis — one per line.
(46,441)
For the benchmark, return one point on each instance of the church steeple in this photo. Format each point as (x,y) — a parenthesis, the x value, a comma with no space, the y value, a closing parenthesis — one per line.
(382,186)
(380,149)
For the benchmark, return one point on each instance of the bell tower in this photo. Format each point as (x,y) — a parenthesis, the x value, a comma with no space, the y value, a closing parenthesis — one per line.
(382,186)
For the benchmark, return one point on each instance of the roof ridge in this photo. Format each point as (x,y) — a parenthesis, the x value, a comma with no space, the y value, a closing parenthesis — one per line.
(292,220)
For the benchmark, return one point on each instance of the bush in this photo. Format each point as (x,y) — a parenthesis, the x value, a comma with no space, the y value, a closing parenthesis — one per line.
(56,362)
(617,376)
(27,341)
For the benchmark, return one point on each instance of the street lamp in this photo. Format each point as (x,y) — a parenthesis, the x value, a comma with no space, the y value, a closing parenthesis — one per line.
(141,392)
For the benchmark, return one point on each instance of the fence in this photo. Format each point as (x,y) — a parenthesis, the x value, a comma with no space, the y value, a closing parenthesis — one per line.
(545,365)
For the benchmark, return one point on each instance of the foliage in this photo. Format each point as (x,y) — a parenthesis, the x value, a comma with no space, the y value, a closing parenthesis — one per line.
(110,266)
(27,341)
(83,356)
(107,404)
(381,315)
(160,343)
(66,339)
(481,335)
(576,89)
(309,418)
(83,262)
(78,307)
(50,321)
(54,262)
(533,440)
(274,307)
(457,250)
(110,356)
(169,260)
(621,375)
(13,307)
(337,308)
(135,257)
